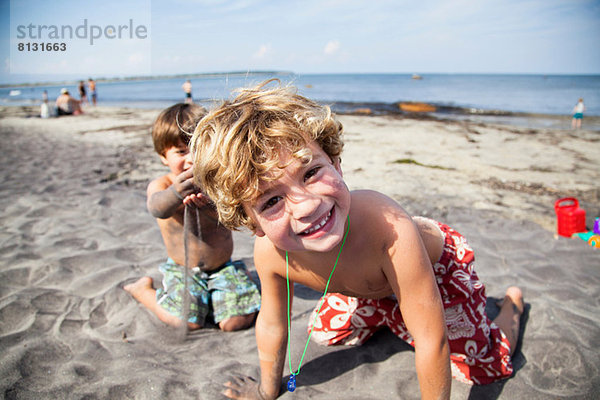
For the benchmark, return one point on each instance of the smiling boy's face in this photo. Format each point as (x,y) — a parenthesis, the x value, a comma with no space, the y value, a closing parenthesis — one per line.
(177,158)
(305,207)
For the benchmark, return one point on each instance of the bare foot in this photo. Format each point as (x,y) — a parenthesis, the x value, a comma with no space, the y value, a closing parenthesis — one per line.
(138,288)
(516,296)
(142,291)
(511,309)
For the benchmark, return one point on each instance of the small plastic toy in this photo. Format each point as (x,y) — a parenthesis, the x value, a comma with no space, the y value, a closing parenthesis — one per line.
(589,237)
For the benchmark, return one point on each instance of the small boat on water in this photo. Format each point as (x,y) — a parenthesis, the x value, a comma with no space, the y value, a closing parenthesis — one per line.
(417,77)
(416,107)
(14,92)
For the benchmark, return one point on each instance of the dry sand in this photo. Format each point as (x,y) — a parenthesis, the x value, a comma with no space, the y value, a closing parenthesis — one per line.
(75,230)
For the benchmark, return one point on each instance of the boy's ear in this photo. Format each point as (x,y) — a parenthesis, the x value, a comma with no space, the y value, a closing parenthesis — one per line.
(337,164)
(163,159)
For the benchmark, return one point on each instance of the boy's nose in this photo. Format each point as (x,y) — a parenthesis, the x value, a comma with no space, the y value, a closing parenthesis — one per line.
(188,160)
(303,204)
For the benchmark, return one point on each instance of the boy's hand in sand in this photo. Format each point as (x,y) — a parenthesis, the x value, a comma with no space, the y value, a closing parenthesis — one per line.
(198,199)
(166,196)
(183,184)
(202,201)
(243,388)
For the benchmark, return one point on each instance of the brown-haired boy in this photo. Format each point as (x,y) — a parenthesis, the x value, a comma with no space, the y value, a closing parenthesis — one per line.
(271,159)
(217,287)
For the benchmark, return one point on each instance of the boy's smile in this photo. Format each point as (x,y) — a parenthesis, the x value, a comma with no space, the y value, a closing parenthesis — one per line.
(305,206)
(320,226)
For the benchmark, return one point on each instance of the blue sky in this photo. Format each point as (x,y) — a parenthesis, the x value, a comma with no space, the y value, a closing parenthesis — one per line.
(312,36)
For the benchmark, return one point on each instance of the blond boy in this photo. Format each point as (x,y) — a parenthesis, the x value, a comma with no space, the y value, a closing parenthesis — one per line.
(217,287)
(272,159)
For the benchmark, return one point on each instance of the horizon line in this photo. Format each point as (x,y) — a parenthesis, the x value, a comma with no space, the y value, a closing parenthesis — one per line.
(267,72)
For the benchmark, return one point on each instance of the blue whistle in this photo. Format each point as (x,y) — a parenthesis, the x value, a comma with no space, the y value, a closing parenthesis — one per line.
(292,383)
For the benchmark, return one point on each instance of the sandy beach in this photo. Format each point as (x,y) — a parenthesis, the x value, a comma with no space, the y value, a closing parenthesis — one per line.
(75,230)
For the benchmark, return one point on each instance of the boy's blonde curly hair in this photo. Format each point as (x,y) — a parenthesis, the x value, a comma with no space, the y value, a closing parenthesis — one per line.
(239,144)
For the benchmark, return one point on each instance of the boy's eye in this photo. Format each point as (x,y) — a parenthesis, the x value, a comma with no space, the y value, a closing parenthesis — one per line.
(270,203)
(310,173)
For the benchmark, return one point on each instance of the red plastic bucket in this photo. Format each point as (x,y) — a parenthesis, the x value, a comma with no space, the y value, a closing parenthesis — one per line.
(570,218)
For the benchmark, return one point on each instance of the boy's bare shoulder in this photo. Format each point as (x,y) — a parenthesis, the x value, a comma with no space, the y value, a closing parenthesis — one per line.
(266,255)
(366,194)
(158,184)
(373,203)
(378,216)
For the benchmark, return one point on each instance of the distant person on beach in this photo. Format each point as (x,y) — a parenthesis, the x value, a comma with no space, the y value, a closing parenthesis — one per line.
(82,94)
(92,87)
(577,114)
(187,89)
(271,160)
(218,288)
(66,104)
(44,108)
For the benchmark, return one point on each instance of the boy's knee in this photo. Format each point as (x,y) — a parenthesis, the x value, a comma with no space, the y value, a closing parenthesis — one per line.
(321,340)
(341,337)
(237,323)
(193,327)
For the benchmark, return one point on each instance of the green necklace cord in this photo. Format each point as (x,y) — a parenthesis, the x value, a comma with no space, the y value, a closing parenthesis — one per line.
(321,301)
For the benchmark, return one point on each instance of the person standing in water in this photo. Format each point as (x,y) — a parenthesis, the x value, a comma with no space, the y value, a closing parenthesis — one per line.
(187,88)
(578,114)
(92,87)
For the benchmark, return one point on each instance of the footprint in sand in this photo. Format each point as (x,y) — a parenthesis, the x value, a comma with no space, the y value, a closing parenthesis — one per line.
(558,368)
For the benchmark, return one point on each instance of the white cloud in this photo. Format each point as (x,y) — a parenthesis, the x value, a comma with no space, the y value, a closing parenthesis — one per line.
(331,47)
(262,51)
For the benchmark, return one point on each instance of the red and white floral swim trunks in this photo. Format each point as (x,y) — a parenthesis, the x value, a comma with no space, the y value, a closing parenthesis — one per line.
(480,352)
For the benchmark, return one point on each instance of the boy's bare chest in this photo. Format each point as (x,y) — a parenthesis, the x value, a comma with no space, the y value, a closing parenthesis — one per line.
(203,225)
(353,276)
(201,231)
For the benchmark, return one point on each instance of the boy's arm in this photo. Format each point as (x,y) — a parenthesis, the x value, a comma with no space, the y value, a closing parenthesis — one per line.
(271,331)
(411,277)
(164,197)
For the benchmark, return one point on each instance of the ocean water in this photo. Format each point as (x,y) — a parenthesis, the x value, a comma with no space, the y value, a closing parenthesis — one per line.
(452,93)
